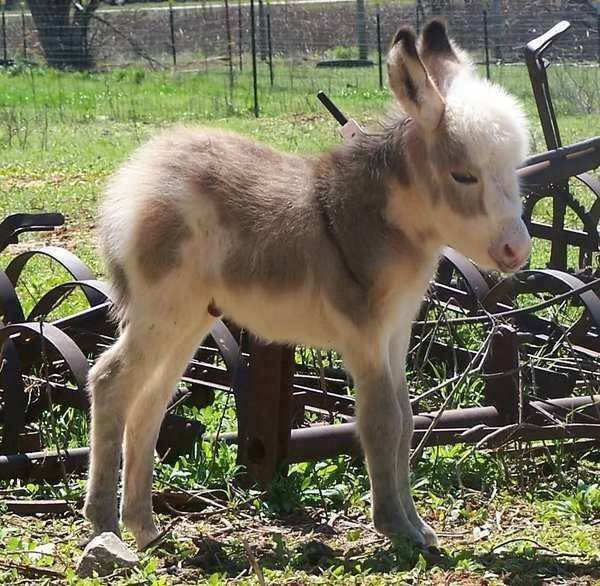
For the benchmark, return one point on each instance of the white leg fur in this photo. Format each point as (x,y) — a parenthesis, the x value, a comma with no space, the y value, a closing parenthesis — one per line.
(111,392)
(177,345)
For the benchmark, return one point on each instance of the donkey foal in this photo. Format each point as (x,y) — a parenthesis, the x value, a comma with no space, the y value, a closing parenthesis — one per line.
(333,251)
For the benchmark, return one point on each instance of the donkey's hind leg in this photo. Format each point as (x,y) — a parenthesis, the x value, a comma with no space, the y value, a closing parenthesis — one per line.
(111,392)
(180,335)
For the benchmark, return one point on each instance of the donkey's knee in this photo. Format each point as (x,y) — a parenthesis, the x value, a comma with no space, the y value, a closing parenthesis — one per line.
(103,375)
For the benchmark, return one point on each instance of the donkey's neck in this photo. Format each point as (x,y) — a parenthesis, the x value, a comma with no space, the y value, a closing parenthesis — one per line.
(358,188)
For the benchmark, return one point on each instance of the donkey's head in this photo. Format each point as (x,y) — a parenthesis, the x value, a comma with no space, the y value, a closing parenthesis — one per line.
(465,142)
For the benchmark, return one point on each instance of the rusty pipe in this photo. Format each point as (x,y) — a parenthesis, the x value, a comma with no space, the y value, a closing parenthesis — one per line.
(559,164)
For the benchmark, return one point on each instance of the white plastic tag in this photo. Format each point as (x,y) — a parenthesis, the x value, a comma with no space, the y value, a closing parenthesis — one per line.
(351,130)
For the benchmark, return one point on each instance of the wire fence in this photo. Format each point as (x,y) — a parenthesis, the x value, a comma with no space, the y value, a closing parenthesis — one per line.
(303,43)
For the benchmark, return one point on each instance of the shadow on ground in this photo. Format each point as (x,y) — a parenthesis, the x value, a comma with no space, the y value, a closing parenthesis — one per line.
(526,564)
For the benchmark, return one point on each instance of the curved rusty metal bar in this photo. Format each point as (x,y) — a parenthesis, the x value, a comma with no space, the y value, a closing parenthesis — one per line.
(11,381)
(11,375)
(72,264)
(62,344)
(549,281)
(236,365)
(48,301)
(477,286)
(10,306)
(542,281)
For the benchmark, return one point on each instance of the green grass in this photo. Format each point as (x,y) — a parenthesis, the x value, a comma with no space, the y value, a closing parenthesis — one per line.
(61,135)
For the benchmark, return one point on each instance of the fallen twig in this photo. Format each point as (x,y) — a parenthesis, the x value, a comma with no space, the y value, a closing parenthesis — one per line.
(539,545)
(255,565)
(31,571)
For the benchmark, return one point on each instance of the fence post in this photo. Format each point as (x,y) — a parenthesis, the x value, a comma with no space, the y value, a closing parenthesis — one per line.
(172,30)
(263,442)
(262,30)
(4,49)
(229,47)
(270,41)
(240,39)
(486,41)
(23,33)
(361,30)
(254,71)
(503,390)
(379,53)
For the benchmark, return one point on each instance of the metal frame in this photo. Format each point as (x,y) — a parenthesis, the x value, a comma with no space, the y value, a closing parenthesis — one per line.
(562,199)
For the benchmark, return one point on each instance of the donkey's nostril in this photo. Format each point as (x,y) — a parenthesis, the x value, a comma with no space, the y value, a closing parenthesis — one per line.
(508,251)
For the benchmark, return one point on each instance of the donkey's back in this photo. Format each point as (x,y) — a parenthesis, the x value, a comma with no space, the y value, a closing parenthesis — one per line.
(215,207)
(213,188)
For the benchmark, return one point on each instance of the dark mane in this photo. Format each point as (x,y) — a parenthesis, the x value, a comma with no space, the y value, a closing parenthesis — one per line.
(384,150)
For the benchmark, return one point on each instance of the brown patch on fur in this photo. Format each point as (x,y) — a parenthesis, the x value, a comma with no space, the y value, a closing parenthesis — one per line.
(120,288)
(213,309)
(162,232)
(463,204)
(262,197)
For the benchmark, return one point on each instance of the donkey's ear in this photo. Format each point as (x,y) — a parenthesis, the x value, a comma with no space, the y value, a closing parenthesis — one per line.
(435,42)
(411,82)
(441,58)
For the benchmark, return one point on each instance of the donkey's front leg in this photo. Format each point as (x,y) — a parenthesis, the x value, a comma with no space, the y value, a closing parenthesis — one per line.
(398,349)
(380,427)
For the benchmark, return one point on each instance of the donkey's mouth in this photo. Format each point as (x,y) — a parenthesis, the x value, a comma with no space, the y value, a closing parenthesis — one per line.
(509,267)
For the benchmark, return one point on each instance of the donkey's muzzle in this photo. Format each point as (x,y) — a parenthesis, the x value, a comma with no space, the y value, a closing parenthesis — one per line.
(511,249)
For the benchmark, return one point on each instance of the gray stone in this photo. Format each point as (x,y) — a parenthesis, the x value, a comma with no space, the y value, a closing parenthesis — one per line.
(105,554)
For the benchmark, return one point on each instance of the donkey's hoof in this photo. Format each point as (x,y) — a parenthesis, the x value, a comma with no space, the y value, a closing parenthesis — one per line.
(143,532)
(145,537)
(102,516)
(394,526)
(429,536)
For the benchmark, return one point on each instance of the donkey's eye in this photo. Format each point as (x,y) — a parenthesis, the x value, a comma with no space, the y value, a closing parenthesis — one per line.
(464,178)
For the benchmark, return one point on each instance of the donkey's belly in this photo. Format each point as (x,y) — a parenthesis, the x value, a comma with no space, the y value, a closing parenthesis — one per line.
(281,317)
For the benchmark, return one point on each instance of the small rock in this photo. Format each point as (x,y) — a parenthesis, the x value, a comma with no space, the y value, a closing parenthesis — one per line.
(480,533)
(42,550)
(105,553)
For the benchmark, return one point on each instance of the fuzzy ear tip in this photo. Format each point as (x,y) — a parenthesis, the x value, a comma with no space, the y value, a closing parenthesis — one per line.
(436,26)
(407,37)
(435,37)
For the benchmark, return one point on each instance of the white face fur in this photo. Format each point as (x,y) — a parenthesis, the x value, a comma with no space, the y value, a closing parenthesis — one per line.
(476,137)
(492,130)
